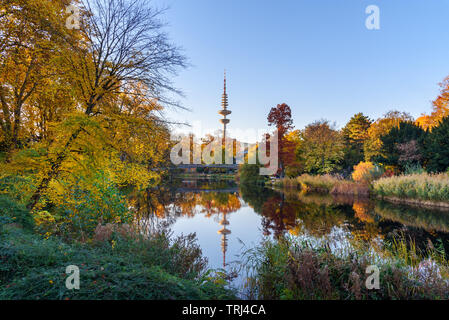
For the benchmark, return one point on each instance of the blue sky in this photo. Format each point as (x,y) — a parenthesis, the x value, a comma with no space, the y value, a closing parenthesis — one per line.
(315,55)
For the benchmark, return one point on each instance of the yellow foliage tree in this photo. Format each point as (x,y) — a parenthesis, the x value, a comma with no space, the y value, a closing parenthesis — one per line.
(373,144)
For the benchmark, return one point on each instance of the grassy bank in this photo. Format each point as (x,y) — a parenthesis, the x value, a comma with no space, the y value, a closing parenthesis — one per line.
(291,269)
(422,189)
(324,184)
(118,267)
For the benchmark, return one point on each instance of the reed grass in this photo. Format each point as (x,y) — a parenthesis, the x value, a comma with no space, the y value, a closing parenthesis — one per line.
(294,269)
(424,187)
(331,184)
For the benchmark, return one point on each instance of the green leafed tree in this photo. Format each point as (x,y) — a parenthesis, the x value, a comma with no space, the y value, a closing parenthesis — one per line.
(401,146)
(355,133)
(437,147)
(322,148)
(373,144)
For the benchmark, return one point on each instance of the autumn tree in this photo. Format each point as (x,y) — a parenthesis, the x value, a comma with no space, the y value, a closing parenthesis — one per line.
(294,167)
(122,54)
(31,33)
(322,148)
(355,133)
(281,118)
(401,146)
(373,144)
(440,108)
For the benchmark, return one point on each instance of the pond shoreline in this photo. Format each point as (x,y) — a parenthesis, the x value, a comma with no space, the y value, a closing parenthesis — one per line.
(416,202)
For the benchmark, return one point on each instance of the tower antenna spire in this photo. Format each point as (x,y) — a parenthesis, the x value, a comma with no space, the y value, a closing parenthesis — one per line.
(224,111)
(225,81)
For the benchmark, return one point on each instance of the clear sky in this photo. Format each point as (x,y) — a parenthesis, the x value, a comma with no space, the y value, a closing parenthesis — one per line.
(315,55)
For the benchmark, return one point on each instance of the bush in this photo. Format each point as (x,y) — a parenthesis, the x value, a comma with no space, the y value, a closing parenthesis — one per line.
(250,174)
(294,270)
(366,172)
(32,268)
(16,212)
(79,205)
(414,169)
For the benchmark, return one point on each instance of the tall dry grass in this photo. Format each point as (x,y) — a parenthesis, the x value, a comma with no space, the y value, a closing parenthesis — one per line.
(331,184)
(293,269)
(309,183)
(424,187)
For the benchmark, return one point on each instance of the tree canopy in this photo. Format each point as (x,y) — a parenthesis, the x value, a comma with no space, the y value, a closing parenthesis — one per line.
(322,148)
(355,133)
(78,101)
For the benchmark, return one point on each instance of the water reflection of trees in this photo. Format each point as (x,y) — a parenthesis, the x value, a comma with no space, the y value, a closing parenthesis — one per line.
(317,215)
(296,213)
(421,226)
(278,215)
(169,204)
(214,203)
(428,219)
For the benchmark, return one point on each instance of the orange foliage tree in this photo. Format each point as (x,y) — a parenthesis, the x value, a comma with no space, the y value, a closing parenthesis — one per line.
(440,108)
(281,118)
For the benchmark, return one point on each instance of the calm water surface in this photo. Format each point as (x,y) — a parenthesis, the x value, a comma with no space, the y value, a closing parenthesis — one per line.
(228,218)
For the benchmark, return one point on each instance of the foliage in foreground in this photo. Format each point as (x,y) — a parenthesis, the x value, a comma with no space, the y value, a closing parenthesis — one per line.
(425,187)
(33,268)
(290,269)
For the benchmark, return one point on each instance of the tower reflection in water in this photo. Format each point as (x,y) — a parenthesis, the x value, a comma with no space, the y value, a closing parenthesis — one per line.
(216,200)
(224,234)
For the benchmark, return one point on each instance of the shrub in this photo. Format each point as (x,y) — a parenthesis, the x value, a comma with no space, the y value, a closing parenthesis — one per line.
(250,174)
(32,268)
(82,203)
(16,212)
(366,172)
(414,169)
(293,269)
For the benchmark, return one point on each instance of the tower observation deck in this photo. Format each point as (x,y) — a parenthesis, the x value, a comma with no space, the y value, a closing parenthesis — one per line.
(224,111)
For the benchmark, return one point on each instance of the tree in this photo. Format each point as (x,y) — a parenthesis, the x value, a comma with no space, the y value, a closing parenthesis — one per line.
(293,166)
(322,148)
(440,108)
(373,144)
(355,134)
(121,54)
(436,147)
(401,146)
(31,33)
(281,118)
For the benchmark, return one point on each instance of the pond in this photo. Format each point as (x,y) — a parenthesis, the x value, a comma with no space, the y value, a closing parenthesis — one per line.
(228,219)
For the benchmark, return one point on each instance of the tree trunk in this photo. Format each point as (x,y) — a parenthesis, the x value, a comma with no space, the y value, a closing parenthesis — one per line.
(54,171)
